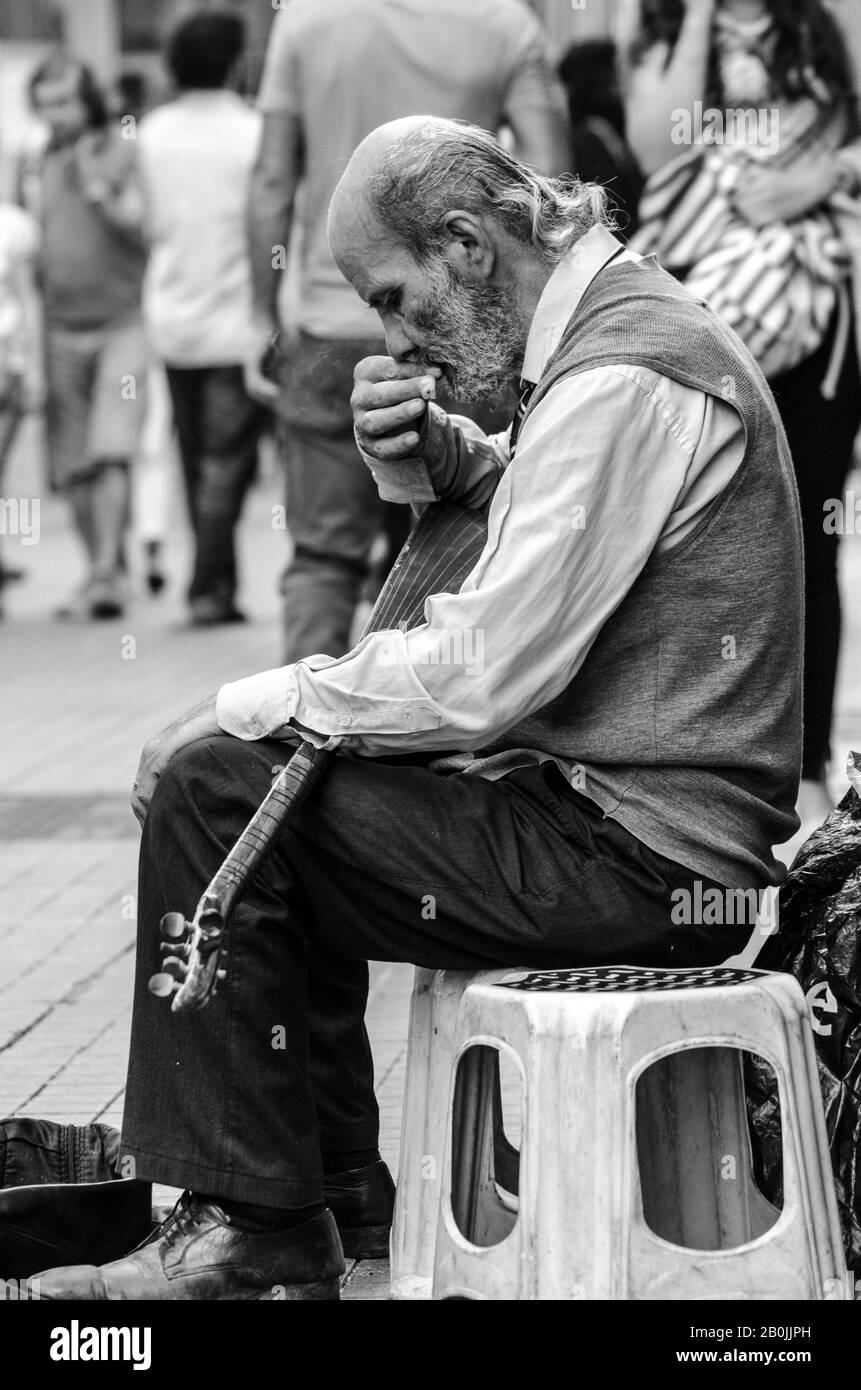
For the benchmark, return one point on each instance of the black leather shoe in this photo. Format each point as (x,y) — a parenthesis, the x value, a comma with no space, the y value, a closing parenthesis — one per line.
(196,1254)
(211,613)
(362,1201)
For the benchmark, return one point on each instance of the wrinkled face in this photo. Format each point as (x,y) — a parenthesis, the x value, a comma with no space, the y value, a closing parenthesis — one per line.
(468,330)
(434,317)
(58,102)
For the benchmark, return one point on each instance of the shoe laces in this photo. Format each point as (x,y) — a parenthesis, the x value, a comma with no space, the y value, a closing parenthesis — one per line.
(181,1221)
(184,1219)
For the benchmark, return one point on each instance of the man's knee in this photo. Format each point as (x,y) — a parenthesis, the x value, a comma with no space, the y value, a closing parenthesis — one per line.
(217,772)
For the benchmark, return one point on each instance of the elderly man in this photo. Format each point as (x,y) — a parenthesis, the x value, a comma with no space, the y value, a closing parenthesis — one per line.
(630,733)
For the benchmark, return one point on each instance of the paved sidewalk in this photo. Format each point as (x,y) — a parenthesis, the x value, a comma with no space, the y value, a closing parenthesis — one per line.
(78,704)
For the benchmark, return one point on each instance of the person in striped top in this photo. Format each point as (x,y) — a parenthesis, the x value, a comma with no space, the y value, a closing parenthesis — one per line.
(742,114)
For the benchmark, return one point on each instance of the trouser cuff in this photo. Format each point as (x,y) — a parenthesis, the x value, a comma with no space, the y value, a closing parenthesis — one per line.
(267,1191)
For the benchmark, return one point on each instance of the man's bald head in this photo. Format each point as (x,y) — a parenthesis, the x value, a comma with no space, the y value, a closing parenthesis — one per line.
(408,175)
(353,211)
(374,152)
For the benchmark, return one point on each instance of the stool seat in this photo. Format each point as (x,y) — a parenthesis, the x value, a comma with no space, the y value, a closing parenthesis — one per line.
(634,1176)
(607,979)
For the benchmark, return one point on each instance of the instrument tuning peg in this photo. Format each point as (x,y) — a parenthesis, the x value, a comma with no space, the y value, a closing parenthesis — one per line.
(162,985)
(178,949)
(176,968)
(173,926)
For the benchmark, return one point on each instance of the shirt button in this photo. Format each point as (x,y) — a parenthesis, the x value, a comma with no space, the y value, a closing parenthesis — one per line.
(345,719)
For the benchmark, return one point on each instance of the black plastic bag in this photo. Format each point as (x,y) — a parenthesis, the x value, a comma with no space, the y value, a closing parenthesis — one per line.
(819,942)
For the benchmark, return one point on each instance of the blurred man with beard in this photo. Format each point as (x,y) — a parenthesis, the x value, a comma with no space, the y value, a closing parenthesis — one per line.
(631,731)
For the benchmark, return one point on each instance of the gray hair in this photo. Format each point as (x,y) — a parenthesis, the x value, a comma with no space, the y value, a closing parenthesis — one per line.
(444,165)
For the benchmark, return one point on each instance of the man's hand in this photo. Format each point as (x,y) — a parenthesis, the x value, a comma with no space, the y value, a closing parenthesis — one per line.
(389,403)
(199,722)
(767,195)
(258,384)
(663,81)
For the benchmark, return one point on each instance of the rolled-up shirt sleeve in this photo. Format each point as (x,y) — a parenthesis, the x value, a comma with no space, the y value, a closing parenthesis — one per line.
(456,461)
(572,522)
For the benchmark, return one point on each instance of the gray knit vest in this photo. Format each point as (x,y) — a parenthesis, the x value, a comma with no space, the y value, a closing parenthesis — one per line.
(685,716)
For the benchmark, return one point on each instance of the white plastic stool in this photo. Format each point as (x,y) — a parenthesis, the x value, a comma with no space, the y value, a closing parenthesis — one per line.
(430,1060)
(635,1172)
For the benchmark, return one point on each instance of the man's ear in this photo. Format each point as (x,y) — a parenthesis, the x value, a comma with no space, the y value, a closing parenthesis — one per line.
(470,248)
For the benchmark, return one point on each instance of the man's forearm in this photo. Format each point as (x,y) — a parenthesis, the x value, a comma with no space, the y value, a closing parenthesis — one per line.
(270,216)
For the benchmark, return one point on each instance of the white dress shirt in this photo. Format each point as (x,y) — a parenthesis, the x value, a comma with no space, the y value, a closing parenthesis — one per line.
(612,464)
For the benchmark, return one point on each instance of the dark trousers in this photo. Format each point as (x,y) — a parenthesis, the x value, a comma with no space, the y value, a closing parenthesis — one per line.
(386,861)
(333,509)
(821,436)
(218,427)
(11,415)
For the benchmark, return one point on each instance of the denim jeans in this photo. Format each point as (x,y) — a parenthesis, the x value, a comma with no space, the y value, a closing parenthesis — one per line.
(218,427)
(385,861)
(11,415)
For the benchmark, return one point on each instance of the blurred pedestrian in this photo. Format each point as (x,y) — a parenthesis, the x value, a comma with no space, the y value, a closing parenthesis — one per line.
(85,195)
(155,464)
(196,156)
(599,150)
(334,71)
(21,380)
(743,114)
(155,477)
(130,97)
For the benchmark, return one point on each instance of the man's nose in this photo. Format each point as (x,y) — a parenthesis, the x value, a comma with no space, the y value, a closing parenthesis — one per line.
(399,344)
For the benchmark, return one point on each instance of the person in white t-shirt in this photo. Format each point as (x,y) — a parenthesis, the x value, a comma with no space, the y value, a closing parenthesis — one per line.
(196,157)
